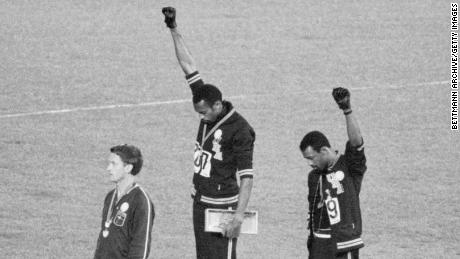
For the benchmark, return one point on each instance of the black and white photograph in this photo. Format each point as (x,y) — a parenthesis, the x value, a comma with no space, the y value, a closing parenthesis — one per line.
(230,129)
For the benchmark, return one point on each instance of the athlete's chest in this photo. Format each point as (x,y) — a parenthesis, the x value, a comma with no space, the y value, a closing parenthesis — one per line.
(335,181)
(118,214)
(216,140)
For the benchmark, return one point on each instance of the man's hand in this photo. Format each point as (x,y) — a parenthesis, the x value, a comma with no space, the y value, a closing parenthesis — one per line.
(342,98)
(170,16)
(232,229)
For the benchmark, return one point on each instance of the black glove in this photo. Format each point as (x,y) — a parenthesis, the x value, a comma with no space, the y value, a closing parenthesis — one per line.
(342,98)
(170,16)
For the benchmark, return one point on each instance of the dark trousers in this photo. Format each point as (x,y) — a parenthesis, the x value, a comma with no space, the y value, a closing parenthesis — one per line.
(353,254)
(209,245)
(324,248)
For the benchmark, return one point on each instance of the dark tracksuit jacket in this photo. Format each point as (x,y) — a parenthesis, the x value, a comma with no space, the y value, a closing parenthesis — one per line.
(223,153)
(129,233)
(334,207)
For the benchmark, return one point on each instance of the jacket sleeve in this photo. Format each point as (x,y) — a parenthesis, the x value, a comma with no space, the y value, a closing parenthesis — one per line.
(194,80)
(243,148)
(142,223)
(356,161)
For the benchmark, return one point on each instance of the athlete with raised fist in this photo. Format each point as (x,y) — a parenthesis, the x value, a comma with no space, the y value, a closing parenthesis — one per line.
(224,147)
(334,217)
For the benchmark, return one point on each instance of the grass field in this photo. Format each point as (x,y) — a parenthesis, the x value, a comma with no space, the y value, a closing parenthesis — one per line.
(66,65)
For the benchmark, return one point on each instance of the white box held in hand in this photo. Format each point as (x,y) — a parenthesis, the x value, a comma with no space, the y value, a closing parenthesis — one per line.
(214,218)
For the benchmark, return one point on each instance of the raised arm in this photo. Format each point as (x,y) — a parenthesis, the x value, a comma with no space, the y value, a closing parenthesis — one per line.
(184,57)
(342,97)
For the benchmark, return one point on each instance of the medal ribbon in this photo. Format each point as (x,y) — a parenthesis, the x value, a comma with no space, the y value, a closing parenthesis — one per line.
(205,137)
(108,219)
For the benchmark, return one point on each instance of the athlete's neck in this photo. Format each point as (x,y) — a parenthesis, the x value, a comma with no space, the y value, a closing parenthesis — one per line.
(334,157)
(124,185)
(226,108)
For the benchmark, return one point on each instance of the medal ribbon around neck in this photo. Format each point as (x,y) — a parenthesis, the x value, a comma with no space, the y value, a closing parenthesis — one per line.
(205,137)
(108,219)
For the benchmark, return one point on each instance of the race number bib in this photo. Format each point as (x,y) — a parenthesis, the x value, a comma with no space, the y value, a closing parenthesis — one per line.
(333,208)
(202,161)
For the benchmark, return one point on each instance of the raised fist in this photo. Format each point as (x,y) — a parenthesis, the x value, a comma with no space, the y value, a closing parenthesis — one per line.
(170,16)
(342,97)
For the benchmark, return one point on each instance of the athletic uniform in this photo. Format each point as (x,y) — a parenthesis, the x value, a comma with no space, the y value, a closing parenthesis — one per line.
(334,212)
(126,225)
(223,156)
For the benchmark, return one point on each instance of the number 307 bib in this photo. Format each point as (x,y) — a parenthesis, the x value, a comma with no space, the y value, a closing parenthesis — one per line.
(202,161)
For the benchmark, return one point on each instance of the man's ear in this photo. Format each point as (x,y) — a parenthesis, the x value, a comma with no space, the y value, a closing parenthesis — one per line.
(128,168)
(324,150)
(217,106)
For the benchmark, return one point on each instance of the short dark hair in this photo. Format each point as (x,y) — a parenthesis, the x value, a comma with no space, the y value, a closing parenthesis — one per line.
(207,92)
(129,155)
(315,139)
